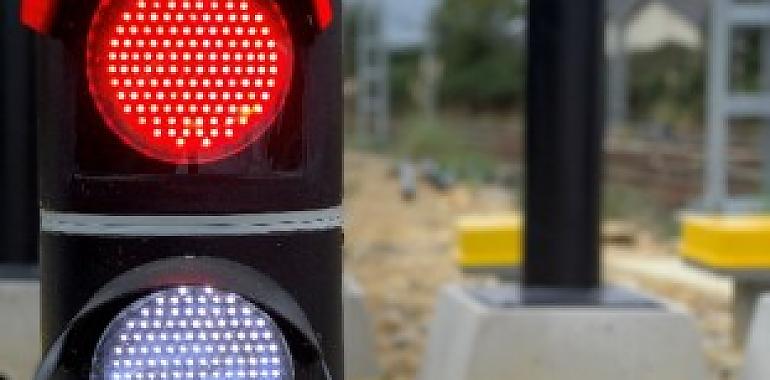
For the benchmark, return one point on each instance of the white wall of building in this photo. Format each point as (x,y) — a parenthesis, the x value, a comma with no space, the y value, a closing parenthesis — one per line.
(657,24)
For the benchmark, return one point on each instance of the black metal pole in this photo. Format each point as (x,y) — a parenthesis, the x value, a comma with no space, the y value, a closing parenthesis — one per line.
(563,143)
(18,193)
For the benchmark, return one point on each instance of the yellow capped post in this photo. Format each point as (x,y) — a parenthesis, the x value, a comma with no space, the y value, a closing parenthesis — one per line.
(734,245)
(727,242)
(490,243)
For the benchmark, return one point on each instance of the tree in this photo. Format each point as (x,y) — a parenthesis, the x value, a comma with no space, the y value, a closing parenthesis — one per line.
(483,69)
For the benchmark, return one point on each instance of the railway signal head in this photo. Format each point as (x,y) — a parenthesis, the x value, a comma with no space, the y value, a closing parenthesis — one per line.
(190,188)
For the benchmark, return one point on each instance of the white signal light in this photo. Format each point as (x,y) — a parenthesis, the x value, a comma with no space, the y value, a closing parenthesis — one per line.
(189,333)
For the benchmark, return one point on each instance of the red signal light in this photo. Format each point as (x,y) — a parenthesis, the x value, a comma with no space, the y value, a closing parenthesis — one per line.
(323,12)
(189,81)
(39,14)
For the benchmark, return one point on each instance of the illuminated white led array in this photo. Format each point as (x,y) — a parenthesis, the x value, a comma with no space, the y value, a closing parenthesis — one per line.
(192,333)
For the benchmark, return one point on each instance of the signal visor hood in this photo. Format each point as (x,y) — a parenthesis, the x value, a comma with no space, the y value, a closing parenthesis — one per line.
(40,15)
(83,331)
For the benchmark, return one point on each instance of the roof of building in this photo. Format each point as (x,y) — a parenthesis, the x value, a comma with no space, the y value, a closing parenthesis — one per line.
(694,10)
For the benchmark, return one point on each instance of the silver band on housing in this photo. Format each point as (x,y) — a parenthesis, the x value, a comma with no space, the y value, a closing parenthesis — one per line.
(70,223)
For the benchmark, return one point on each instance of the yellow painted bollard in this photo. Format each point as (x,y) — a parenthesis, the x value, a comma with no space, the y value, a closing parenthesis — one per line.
(737,246)
(727,242)
(490,244)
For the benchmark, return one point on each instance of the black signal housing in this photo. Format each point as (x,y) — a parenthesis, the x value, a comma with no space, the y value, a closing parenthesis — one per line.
(109,211)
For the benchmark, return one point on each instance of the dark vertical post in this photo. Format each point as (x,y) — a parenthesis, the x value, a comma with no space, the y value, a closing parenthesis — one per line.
(18,170)
(565,121)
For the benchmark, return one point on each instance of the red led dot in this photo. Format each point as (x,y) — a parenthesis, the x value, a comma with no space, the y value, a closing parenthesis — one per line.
(166,75)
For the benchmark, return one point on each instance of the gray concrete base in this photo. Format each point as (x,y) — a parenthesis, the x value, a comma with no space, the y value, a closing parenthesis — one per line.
(745,303)
(19,328)
(471,340)
(360,357)
(757,364)
(504,274)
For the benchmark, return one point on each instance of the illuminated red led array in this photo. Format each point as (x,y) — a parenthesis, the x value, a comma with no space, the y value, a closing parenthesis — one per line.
(189,81)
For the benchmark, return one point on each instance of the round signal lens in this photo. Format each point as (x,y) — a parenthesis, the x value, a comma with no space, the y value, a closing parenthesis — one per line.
(192,333)
(189,81)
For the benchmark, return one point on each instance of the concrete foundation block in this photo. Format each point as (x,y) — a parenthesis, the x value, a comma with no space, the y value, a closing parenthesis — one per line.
(360,357)
(757,364)
(471,340)
(19,328)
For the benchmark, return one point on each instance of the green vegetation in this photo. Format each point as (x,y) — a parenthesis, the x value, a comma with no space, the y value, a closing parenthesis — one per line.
(404,74)
(449,145)
(667,86)
(746,60)
(625,202)
(483,69)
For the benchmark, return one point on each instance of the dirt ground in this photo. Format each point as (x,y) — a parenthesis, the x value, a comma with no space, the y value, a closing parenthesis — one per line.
(401,253)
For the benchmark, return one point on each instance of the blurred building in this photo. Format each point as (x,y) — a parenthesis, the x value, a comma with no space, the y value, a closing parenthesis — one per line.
(648,24)
(645,25)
